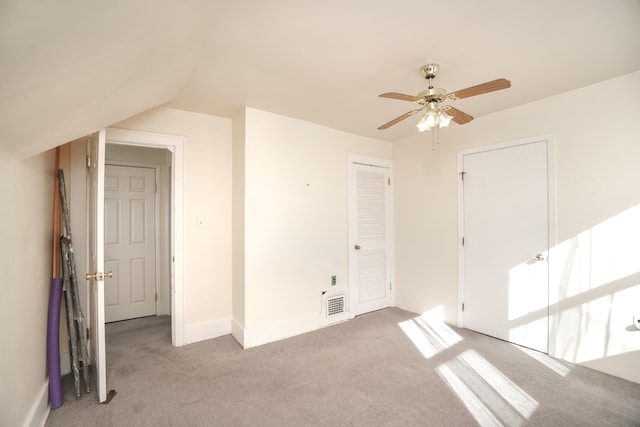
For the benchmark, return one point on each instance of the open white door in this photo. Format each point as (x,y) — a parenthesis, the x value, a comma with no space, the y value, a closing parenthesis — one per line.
(95,220)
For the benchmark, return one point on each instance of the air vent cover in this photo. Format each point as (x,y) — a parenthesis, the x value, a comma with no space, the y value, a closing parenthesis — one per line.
(335,305)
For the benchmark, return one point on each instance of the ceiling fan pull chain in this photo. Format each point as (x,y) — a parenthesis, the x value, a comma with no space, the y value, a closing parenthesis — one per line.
(434,131)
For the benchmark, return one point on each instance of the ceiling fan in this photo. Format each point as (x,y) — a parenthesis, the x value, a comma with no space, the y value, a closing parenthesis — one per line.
(438,115)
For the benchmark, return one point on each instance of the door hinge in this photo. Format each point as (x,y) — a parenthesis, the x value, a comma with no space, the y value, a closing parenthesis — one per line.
(463,241)
(390,286)
(88,162)
(88,334)
(462,174)
(462,306)
(388,181)
(156,297)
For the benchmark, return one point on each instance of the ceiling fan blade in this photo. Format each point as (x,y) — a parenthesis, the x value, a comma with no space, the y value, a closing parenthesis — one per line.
(482,88)
(460,117)
(399,119)
(400,96)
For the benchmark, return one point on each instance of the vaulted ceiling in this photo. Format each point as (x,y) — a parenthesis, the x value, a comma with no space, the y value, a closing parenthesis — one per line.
(71,67)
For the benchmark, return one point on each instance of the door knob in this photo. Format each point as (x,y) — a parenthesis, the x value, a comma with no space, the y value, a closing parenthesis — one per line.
(357,247)
(99,276)
(539,257)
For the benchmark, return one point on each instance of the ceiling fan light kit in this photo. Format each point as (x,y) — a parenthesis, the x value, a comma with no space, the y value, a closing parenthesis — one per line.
(431,99)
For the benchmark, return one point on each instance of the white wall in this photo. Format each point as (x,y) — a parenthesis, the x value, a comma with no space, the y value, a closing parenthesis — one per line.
(595,269)
(26,188)
(295,220)
(285,224)
(207,186)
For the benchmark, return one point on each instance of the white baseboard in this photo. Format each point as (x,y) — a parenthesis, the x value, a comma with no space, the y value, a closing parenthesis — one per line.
(40,409)
(237,331)
(207,330)
(281,329)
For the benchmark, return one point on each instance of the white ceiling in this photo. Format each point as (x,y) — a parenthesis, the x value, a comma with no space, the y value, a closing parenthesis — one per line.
(71,67)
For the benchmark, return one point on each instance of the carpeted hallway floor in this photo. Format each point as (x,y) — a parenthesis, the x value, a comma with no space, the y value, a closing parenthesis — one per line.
(387,368)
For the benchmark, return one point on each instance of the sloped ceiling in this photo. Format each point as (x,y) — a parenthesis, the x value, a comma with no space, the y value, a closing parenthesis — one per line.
(71,67)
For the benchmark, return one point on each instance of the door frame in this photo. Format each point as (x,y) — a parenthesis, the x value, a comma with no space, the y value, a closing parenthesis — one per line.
(551,219)
(352,159)
(175,145)
(156,202)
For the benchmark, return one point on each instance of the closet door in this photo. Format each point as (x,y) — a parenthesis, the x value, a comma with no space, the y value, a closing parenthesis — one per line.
(506,229)
(370,229)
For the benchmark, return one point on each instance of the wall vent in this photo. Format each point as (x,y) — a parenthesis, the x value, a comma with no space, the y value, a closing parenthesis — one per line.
(335,305)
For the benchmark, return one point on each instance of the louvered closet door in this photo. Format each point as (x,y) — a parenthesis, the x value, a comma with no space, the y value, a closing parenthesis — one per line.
(372,239)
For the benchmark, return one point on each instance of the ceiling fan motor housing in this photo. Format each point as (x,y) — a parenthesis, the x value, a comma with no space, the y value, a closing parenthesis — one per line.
(432,95)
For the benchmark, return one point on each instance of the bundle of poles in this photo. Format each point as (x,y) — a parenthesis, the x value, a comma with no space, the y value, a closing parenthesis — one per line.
(63,256)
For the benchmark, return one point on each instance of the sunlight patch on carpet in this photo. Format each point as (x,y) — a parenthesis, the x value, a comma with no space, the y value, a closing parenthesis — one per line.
(489,395)
(429,336)
(551,363)
(514,395)
(474,405)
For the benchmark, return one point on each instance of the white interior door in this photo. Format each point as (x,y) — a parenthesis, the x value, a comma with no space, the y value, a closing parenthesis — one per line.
(95,220)
(130,244)
(506,241)
(370,238)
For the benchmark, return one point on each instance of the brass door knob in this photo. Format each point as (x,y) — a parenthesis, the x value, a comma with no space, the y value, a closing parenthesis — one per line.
(539,257)
(357,247)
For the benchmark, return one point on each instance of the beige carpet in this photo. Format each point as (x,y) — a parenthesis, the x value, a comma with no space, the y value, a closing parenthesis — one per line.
(387,368)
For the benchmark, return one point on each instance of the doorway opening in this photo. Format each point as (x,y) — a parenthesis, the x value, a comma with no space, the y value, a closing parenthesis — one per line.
(168,151)
(87,155)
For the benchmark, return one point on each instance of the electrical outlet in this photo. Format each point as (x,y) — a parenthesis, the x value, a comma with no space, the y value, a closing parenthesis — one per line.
(333,280)
(201,222)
